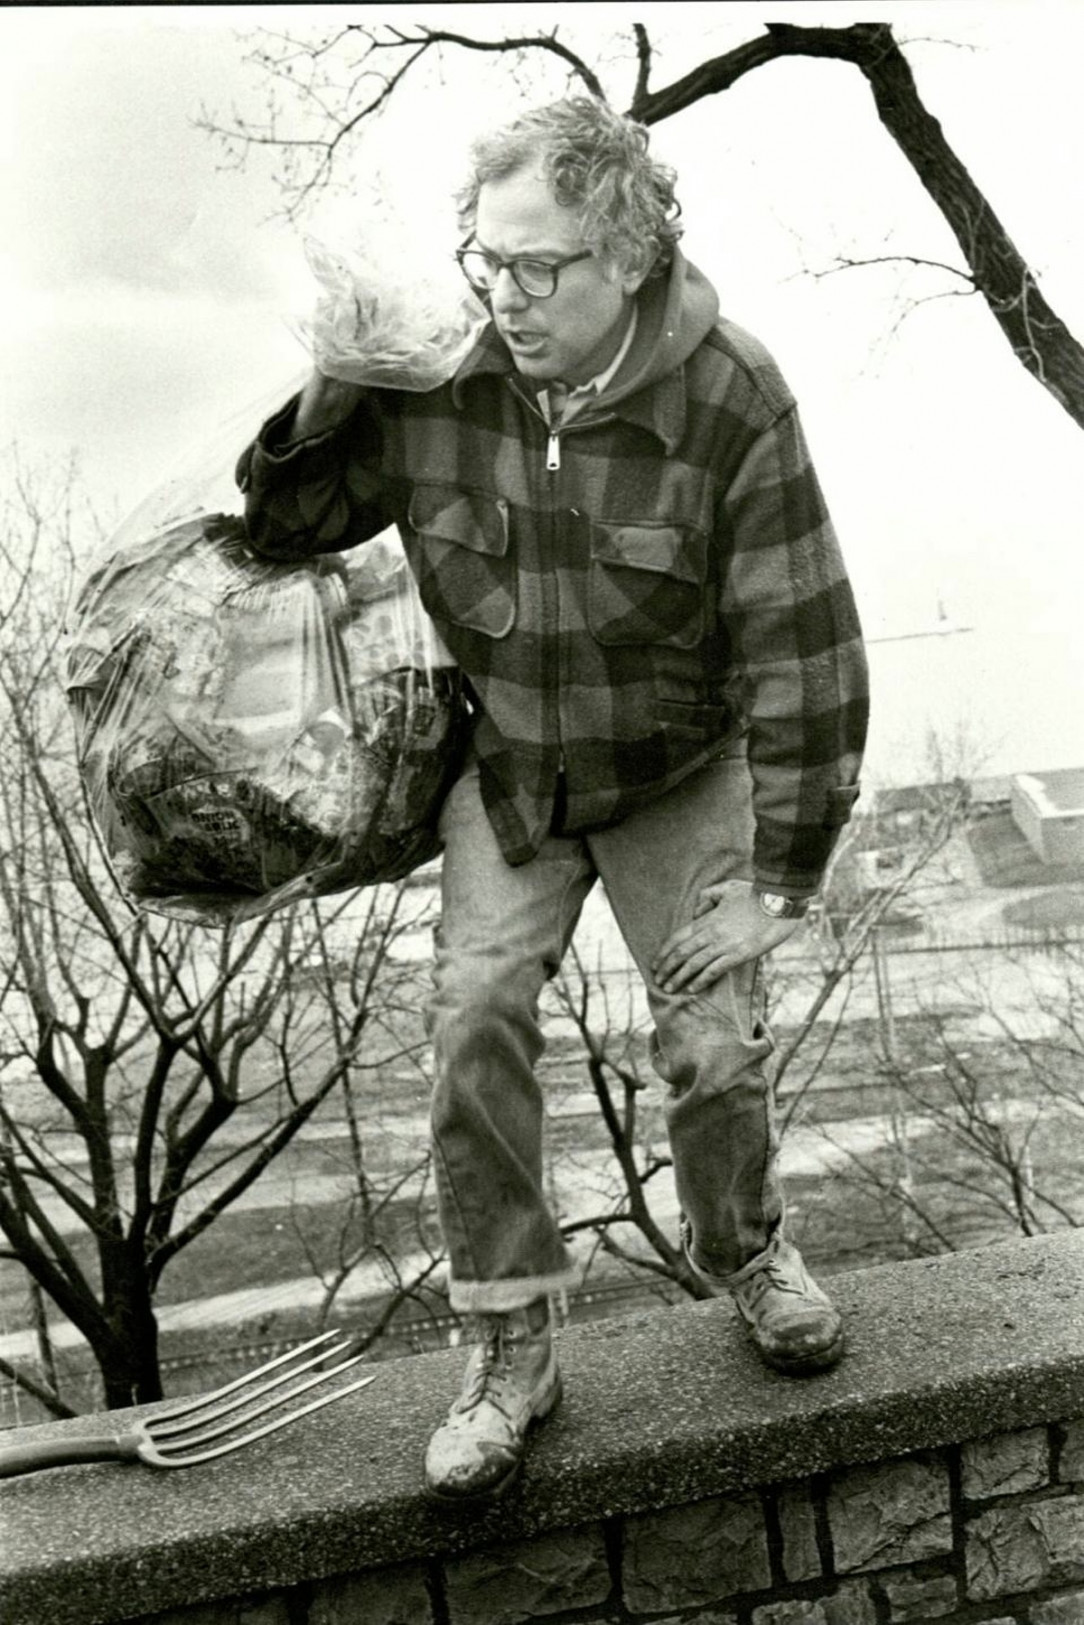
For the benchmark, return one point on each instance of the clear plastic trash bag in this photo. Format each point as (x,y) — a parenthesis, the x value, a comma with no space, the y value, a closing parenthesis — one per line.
(389,314)
(252,733)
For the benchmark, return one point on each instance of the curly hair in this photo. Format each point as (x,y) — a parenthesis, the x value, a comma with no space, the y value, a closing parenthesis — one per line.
(597,162)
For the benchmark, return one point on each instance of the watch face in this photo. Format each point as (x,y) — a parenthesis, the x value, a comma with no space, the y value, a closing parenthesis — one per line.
(773,904)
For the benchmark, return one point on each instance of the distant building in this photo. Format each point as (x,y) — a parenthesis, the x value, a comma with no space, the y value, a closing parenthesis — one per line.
(1048,809)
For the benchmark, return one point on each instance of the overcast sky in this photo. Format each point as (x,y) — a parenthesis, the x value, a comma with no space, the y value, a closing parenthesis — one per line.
(147,298)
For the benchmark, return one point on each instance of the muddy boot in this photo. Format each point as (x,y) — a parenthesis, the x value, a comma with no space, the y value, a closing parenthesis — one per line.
(510,1383)
(790,1321)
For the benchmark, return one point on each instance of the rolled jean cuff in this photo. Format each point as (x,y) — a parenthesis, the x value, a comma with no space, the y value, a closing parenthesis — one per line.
(500,1297)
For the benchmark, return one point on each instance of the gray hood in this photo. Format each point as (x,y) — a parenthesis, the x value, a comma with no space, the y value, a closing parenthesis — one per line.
(675,314)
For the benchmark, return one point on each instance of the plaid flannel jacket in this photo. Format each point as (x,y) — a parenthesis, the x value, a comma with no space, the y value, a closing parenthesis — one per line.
(672,586)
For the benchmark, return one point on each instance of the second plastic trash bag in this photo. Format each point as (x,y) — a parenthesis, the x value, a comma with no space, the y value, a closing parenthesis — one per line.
(251,734)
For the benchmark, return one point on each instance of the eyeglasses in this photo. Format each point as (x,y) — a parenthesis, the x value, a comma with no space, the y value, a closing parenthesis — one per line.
(536,278)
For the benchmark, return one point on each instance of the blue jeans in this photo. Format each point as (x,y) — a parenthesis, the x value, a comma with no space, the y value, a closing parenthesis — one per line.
(503,933)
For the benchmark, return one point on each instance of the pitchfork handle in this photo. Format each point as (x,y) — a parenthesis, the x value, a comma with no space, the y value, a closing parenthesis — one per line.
(27,1458)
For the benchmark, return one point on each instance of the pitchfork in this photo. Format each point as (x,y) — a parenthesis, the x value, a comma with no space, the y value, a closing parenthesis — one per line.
(183,1435)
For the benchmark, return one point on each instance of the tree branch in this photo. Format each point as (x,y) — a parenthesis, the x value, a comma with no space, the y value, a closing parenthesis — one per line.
(643,59)
(1039,339)
(528,42)
(44,1396)
(59,1274)
(845,263)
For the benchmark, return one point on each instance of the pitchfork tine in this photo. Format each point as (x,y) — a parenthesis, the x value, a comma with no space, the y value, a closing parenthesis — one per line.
(141,1441)
(187,1457)
(198,1401)
(206,1408)
(183,1446)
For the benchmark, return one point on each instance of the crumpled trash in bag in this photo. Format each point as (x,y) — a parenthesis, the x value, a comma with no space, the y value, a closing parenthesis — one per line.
(380,321)
(253,733)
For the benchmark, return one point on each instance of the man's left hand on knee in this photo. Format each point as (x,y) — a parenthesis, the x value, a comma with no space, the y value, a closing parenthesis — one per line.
(728,928)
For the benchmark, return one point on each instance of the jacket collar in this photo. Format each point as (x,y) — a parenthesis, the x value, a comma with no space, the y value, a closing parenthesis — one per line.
(649,389)
(658,407)
(490,355)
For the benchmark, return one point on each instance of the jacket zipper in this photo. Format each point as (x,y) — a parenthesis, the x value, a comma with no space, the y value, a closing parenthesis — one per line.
(553,436)
(553,452)
(553,440)
(553,466)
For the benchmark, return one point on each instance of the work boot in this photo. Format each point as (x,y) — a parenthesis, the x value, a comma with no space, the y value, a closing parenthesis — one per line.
(511,1381)
(789,1318)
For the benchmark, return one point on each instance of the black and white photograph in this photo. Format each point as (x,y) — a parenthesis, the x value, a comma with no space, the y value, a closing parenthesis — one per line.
(542,813)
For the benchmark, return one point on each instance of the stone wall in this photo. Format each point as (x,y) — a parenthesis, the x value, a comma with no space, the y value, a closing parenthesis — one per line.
(938,1474)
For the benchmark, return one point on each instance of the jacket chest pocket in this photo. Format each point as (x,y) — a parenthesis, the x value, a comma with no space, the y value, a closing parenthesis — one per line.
(465,575)
(649,585)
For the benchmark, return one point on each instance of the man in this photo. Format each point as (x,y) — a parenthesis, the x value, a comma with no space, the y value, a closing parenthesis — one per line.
(613,521)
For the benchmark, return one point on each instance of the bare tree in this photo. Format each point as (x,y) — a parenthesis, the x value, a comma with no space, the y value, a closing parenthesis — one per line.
(150,1072)
(987,1096)
(326,89)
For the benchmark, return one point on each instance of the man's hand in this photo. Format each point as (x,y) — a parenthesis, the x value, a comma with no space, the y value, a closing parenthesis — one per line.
(324,404)
(728,927)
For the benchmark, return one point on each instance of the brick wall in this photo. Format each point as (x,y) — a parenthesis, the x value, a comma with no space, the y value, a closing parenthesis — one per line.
(938,1475)
(991,1530)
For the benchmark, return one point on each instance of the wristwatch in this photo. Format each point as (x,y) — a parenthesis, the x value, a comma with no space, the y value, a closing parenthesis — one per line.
(779,907)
